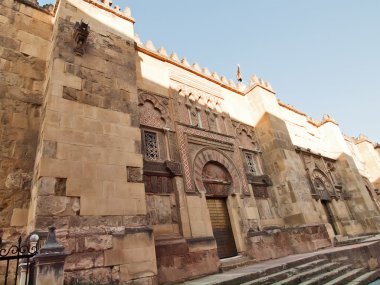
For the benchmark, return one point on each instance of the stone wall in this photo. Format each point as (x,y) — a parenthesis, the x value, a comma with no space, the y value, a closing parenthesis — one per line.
(71,150)
(291,188)
(277,242)
(366,216)
(371,157)
(89,152)
(25,34)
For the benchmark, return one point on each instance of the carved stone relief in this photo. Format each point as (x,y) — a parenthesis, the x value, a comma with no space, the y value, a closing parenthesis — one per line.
(199,109)
(246,136)
(154,110)
(184,134)
(231,178)
(324,180)
(216,179)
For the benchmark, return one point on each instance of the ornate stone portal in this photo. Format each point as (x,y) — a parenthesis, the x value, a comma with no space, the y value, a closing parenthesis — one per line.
(216,179)
(214,172)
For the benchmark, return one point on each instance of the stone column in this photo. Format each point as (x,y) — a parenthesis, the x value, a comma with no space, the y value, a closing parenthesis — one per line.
(49,261)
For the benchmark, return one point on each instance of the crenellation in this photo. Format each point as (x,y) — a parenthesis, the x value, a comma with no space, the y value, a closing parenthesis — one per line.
(184,62)
(254,80)
(224,80)
(232,83)
(149,45)
(206,71)
(196,67)
(126,12)
(174,57)
(137,39)
(162,51)
(215,75)
(328,119)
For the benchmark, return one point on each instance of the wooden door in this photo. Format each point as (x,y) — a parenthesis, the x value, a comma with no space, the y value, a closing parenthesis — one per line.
(221,226)
(329,214)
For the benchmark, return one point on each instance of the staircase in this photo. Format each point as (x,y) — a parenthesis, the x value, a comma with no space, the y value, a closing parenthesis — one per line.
(345,240)
(235,262)
(316,271)
(346,265)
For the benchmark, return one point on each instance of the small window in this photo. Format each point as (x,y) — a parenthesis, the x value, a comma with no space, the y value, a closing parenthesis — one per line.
(151,146)
(250,161)
(199,119)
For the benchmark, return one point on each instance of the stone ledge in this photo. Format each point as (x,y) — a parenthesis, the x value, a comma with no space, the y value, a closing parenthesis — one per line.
(45,9)
(200,240)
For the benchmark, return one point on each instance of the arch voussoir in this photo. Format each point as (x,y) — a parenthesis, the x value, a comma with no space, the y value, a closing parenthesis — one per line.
(213,155)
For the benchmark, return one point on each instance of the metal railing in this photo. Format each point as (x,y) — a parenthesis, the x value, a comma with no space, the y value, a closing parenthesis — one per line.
(16,264)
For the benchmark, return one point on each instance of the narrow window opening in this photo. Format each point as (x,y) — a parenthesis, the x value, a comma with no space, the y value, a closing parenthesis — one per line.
(251,165)
(151,146)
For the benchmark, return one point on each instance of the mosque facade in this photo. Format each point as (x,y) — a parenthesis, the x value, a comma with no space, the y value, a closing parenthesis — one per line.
(155,170)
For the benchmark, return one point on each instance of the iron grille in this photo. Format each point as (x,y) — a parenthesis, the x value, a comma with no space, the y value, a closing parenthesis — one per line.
(250,163)
(151,146)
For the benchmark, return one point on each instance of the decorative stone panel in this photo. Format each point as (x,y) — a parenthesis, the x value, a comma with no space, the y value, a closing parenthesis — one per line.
(154,110)
(246,136)
(183,133)
(325,181)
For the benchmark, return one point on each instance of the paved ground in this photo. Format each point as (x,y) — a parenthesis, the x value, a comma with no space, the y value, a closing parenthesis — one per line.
(262,266)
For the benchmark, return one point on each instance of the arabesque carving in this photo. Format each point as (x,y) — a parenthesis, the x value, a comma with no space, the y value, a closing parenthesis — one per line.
(154,110)
(207,155)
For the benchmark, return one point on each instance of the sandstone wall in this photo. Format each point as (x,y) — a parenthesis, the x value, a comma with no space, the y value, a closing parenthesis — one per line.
(292,198)
(25,35)
(364,211)
(70,147)
(88,173)
(371,159)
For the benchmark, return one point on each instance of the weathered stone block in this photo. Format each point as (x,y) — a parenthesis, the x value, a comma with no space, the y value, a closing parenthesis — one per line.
(134,174)
(137,270)
(101,276)
(19,217)
(49,149)
(9,43)
(87,260)
(43,222)
(46,186)
(96,243)
(54,206)
(131,248)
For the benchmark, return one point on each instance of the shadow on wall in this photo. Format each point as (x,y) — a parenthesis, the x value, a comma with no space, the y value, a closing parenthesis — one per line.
(366,216)
(180,255)
(377,184)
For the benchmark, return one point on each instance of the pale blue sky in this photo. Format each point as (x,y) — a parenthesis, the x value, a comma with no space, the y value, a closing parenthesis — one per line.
(322,56)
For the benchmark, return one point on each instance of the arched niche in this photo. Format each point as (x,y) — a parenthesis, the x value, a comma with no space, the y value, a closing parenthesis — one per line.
(322,185)
(154,112)
(214,159)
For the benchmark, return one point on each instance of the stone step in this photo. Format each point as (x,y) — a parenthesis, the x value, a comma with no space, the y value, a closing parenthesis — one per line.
(296,279)
(235,262)
(270,279)
(270,270)
(322,278)
(311,264)
(353,240)
(345,278)
(340,238)
(366,278)
(278,276)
